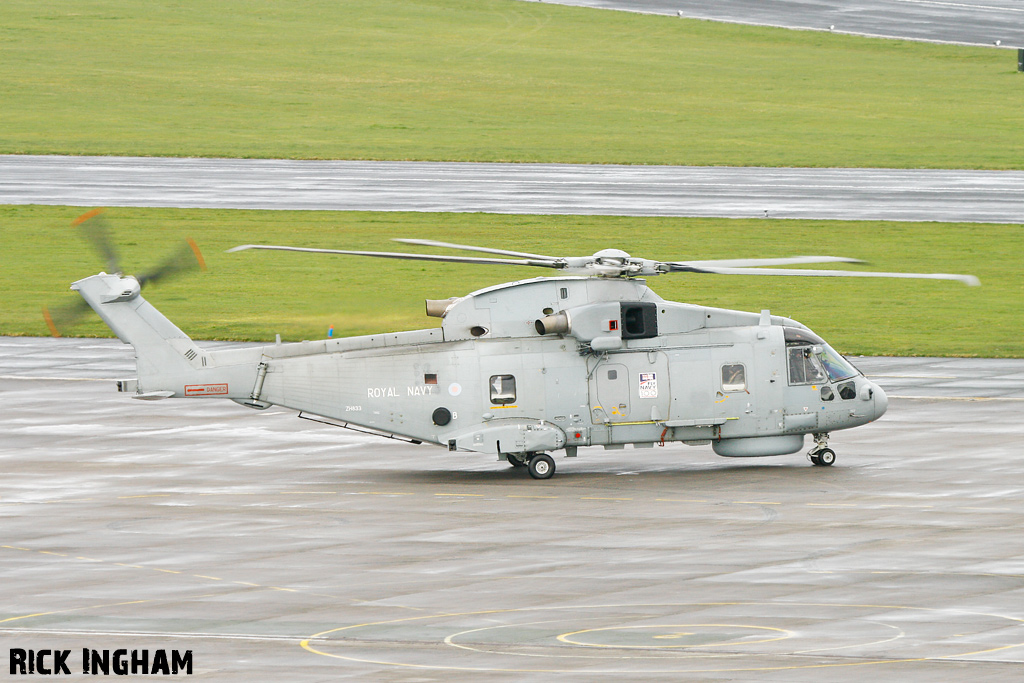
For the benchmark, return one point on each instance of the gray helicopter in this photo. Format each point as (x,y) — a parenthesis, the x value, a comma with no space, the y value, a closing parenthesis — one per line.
(591,357)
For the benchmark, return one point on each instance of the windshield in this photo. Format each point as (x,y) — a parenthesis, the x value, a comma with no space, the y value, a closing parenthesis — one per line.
(836,366)
(804,367)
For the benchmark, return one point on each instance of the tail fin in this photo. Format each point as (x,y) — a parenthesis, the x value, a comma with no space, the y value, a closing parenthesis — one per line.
(167,359)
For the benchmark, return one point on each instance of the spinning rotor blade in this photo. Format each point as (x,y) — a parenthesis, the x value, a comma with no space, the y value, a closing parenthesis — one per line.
(756,262)
(482,250)
(93,226)
(65,316)
(969,280)
(616,263)
(415,257)
(184,259)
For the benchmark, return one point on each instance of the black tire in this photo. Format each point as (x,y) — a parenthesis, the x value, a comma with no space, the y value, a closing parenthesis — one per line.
(514,461)
(826,457)
(542,466)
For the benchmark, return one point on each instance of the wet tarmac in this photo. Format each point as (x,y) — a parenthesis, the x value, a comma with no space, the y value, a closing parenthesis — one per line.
(983,22)
(274,548)
(837,194)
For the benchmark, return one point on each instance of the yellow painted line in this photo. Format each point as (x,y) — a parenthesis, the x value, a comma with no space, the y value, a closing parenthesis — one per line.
(211,578)
(152,495)
(475,495)
(680,500)
(502,407)
(75,609)
(48,552)
(596,498)
(165,571)
(907,506)
(246,583)
(306,644)
(133,566)
(290,590)
(958,398)
(230,493)
(917,376)
(385,493)
(986,509)
(87,559)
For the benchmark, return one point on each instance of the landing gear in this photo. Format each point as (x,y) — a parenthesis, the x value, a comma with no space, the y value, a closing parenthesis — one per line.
(821,455)
(824,458)
(514,460)
(542,466)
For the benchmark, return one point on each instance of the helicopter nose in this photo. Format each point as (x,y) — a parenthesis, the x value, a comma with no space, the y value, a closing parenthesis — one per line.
(880,399)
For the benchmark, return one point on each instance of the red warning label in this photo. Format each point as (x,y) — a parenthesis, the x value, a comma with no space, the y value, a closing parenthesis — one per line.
(206,389)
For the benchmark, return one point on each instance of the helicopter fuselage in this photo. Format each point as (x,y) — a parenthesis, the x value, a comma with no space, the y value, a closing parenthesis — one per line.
(530,367)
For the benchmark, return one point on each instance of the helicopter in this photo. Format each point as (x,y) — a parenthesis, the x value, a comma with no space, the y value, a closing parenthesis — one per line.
(520,370)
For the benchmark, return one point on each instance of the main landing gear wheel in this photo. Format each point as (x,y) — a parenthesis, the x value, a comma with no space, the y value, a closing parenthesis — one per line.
(824,458)
(542,466)
(514,461)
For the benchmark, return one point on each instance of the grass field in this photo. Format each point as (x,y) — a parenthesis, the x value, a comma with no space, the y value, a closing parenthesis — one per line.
(489,80)
(253,295)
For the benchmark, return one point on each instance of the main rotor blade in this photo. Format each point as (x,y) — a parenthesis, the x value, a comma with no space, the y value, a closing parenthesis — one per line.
(969,280)
(482,250)
(756,262)
(94,228)
(414,257)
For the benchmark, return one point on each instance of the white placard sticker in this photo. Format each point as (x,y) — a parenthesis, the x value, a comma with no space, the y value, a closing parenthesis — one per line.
(648,385)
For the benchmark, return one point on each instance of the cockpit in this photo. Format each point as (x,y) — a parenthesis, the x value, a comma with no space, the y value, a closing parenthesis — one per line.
(812,361)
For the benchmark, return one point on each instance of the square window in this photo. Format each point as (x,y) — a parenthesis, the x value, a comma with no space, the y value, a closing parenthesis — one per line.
(430,378)
(503,389)
(734,377)
(613,374)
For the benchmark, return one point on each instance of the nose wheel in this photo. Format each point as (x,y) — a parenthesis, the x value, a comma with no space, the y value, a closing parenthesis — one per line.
(821,455)
(824,458)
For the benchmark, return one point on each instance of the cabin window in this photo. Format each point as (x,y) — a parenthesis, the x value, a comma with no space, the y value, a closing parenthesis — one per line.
(430,378)
(804,367)
(613,374)
(826,393)
(734,377)
(564,292)
(503,389)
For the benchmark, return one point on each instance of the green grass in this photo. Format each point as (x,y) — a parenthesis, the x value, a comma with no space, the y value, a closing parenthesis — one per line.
(489,80)
(253,295)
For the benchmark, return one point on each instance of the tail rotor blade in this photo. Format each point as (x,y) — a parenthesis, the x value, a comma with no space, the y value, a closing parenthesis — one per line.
(187,257)
(93,226)
(65,316)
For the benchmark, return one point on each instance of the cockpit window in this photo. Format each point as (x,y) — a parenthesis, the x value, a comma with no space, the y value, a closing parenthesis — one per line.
(804,367)
(837,367)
